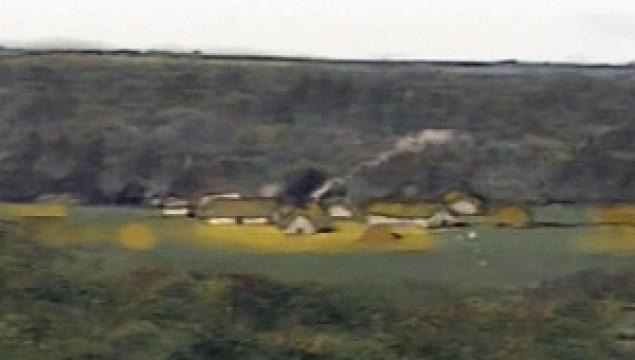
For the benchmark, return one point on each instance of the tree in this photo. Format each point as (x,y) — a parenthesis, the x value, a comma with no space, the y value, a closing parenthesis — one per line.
(298,191)
(89,167)
(132,194)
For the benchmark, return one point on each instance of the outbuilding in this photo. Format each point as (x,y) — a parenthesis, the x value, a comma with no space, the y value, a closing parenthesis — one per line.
(239,211)
(309,220)
(173,206)
(401,212)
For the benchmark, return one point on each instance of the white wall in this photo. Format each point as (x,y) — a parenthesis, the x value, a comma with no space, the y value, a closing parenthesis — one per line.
(221,221)
(174,212)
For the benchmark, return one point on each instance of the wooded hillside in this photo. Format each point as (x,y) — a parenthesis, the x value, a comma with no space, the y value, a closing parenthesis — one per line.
(93,123)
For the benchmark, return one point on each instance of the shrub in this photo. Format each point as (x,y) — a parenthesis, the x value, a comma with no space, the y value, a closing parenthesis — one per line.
(378,234)
(510,216)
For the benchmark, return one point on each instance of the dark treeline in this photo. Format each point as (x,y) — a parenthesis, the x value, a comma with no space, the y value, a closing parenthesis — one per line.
(99,125)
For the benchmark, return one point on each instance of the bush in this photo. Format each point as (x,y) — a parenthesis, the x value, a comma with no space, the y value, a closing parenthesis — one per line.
(510,216)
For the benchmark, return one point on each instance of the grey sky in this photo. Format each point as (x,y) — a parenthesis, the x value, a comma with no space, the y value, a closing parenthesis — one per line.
(555,30)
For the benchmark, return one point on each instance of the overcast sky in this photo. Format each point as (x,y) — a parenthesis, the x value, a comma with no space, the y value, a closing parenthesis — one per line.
(552,30)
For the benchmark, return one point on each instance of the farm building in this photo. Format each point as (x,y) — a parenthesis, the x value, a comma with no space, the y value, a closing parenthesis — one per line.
(409,212)
(309,220)
(155,201)
(443,218)
(173,206)
(237,211)
(339,208)
(462,204)
(220,196)
(208,197)
(300,224)
(340,211)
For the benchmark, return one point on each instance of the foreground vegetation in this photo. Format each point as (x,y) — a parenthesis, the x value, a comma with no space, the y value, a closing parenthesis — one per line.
(74,304)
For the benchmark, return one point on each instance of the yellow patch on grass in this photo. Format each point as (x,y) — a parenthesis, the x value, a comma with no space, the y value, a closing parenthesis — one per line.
(617,214)
(33,210)
(608,240)
(53,232)
(378,234)
(510,215)
(345,238)
(136,236)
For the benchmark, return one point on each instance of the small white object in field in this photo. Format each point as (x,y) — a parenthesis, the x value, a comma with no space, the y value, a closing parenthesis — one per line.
(483,263)
(472,235)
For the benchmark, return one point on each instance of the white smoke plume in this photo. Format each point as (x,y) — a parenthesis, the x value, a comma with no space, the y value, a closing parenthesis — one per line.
(411,143)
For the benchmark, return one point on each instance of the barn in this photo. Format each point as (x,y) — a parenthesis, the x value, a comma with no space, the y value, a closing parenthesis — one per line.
(422,213)
(309,220)
(173,206)
(239,211)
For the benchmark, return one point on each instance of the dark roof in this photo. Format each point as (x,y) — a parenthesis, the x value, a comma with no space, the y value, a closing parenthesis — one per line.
(244,207)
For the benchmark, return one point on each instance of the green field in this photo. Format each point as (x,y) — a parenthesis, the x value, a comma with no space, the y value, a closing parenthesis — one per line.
(502,258)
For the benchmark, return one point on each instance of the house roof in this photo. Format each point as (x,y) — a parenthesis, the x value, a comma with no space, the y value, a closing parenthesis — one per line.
(337,202)
(312,212)
(173,202)
(405,209)
(454,196)
(244,207)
